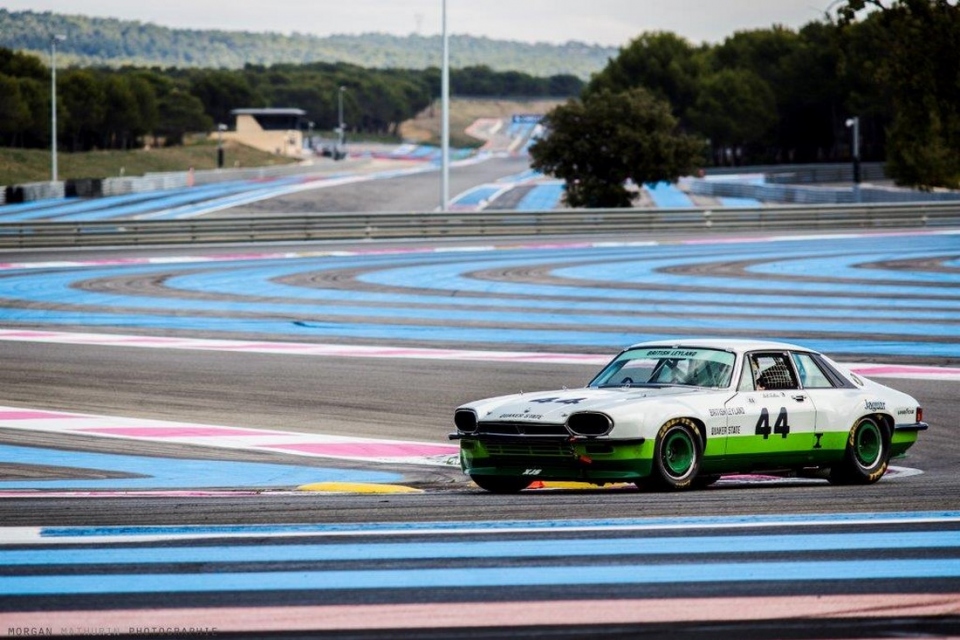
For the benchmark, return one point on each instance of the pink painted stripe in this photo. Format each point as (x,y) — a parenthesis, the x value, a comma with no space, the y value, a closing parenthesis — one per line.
(496,614)
(28,334)
(904,369)
(39,493)
(367,450)
(37,415)
(199,431)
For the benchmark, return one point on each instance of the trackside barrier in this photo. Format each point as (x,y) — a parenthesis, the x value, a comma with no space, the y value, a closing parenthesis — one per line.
(812,195)
(163,181)
(34,191)
(125,186)
(806,173)
(382,226)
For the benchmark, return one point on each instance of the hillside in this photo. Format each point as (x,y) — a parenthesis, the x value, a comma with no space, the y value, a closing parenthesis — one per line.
(110,42)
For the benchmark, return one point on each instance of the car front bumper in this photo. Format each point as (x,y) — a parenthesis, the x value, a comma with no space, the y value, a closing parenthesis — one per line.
(586,460)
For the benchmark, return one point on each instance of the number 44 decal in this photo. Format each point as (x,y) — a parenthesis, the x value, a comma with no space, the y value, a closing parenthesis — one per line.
(780,426)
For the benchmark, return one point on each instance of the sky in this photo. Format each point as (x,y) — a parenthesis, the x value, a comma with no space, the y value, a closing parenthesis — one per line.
(604,22)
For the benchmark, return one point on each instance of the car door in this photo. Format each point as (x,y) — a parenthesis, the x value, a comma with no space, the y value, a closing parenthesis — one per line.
(771,420)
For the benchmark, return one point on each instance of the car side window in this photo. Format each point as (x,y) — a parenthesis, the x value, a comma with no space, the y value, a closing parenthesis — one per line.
(811,375)
(772,371)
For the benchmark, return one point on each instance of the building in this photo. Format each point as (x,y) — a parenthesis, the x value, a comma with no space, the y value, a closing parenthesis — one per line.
(277,131)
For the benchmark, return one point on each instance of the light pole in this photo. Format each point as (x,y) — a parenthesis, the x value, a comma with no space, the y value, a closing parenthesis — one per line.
(53,104)
(220,129)
(445,116)
(341,125)
(854,123)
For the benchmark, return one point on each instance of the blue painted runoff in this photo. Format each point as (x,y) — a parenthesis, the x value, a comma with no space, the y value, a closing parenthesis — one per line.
(438,549)
(174,473)
(479,577)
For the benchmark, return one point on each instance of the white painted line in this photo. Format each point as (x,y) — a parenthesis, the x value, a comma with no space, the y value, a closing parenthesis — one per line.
(870,370)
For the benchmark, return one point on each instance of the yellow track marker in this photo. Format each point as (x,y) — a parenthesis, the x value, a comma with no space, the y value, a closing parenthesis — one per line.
(356,487)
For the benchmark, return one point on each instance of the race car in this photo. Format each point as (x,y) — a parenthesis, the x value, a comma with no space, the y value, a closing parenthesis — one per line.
(676,415)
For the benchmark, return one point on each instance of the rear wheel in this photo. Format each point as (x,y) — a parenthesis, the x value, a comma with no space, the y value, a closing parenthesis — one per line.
(501,484)
(867,455)
(677,455)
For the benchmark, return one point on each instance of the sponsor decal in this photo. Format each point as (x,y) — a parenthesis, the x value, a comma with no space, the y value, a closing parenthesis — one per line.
(523,416)
(670,353)
(876,405)
(725,430)
(906,411)
(559,400)
(732,411)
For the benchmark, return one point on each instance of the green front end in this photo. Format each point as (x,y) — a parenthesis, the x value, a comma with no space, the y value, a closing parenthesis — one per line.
(595,461)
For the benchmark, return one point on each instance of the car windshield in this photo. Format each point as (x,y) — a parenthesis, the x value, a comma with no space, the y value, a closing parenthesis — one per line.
(659,366)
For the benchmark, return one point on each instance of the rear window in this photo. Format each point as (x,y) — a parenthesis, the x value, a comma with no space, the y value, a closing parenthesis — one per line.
(811,375)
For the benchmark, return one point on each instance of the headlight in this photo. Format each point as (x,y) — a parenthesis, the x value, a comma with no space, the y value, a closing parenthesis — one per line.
(589,424)
(466,420)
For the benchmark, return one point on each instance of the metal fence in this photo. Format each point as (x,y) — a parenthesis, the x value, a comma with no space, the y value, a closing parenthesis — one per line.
(385,226)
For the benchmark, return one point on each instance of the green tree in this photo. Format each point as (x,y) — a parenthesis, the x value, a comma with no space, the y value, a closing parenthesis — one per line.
(663,63)
(789,66)
(222,91)
(921,69)
(735,108)
(14,111)
(22,65)
(122,113)
(36,95)
(148,110)
(596,145)
(83,99)
(181,113)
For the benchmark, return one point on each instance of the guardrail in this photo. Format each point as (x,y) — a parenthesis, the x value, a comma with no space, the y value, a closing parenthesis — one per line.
(384,226)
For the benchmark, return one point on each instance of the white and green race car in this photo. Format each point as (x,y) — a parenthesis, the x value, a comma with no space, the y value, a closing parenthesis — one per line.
(675,415)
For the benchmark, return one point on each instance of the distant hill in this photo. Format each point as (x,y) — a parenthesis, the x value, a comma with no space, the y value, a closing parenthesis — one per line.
(110,42)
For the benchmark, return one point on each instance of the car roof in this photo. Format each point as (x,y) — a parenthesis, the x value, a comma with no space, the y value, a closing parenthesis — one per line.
(726,344)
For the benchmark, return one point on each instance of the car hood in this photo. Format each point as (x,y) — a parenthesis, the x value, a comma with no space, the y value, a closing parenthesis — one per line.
(556,406)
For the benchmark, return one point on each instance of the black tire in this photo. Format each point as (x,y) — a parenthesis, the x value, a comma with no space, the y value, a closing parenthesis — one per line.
(501,484)
(703,481)
(677,455)
(867,455)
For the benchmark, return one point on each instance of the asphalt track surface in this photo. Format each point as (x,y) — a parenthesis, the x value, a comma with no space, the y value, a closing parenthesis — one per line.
(419,192)
(751,559)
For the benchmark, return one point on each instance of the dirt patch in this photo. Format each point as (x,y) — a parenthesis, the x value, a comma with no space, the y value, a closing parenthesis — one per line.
(425,128)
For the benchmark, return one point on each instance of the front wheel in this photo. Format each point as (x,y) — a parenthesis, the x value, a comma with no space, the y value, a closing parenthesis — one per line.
(501,484)
(867,455)
(677,455)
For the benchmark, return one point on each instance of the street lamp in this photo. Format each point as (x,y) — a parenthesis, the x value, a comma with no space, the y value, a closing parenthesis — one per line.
(341,125)
(53,104)
(445,117)
(854,123)
(220,129)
